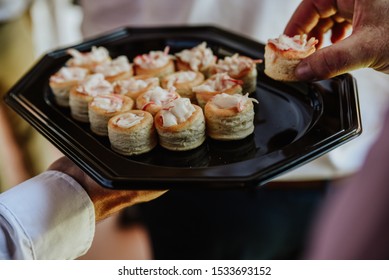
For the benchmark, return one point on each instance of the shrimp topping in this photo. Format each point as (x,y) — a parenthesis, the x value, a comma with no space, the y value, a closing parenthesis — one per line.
(67,74)
(128,120)
(218,82)
(198,58)
(159,96)
(95,85)
(176,111)
(227,101)
(109,103)
(96,56)
(116,66)
(296,43)
(235,65)
(180,77)
(154,59)
(133,84)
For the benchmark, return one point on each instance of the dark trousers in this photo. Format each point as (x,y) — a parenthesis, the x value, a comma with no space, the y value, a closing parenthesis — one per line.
(270,222)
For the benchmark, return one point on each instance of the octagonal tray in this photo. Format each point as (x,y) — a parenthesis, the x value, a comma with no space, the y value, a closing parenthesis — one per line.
(294,122)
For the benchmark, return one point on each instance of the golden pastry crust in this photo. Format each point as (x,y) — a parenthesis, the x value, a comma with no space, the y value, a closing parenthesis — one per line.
(280,64)
(80,95)
(61,92)
(100,115)
(63,81)
(134,140)
(183,136)
(78,102)
(229,123)
(279,67)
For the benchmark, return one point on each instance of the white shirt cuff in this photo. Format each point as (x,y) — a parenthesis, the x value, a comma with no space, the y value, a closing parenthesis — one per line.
(47,217)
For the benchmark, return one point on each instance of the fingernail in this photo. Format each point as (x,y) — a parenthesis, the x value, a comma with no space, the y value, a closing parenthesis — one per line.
(304,72)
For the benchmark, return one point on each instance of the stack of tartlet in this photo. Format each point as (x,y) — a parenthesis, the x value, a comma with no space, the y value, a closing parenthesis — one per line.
(174,100)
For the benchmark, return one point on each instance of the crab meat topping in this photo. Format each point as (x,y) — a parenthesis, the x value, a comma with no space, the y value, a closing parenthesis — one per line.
(96,56)
(114,67)
(128,120)
(180,77)
(297,43)
(198,58)
(228,101)
(217,82)
(134,85)
(176,111)
(153,59)
(109,103)
(235,65)
(68,74)
(95,85)
(159,96)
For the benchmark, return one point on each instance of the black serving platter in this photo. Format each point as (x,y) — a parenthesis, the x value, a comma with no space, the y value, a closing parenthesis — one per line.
(294,122)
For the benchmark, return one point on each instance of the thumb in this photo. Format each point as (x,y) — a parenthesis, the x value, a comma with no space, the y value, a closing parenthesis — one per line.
(346,55)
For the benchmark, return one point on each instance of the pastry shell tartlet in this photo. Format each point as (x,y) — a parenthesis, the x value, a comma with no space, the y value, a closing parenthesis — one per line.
(180,125)
(283,54)
(216,84)
(241,68)
(80,95)
(229,117)
(116,69)
(88,60)
(154,63)
(132,133)
(154,99)
(104,107)
(199,59)
(63,81)
(135,86)
(183,82)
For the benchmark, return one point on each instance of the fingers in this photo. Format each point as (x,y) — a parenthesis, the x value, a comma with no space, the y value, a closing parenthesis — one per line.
(340,31)
(308,15)
(108,202)
(344,56)
(366,47)
(320,29)
(145,196)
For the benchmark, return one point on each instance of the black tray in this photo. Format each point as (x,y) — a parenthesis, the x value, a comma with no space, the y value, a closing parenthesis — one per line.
(294,122)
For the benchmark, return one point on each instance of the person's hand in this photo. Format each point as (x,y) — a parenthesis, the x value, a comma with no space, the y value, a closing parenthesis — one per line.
(106,201)
(367,46)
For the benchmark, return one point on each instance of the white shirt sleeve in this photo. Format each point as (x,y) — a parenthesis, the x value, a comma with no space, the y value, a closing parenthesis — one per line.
(47,217)
(11,9)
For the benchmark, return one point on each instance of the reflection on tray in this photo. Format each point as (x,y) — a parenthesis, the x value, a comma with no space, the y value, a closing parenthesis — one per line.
(161,157)
(225,152)
(282,138)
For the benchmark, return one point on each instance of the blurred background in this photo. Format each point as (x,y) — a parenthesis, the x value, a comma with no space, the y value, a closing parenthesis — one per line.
(55,23)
